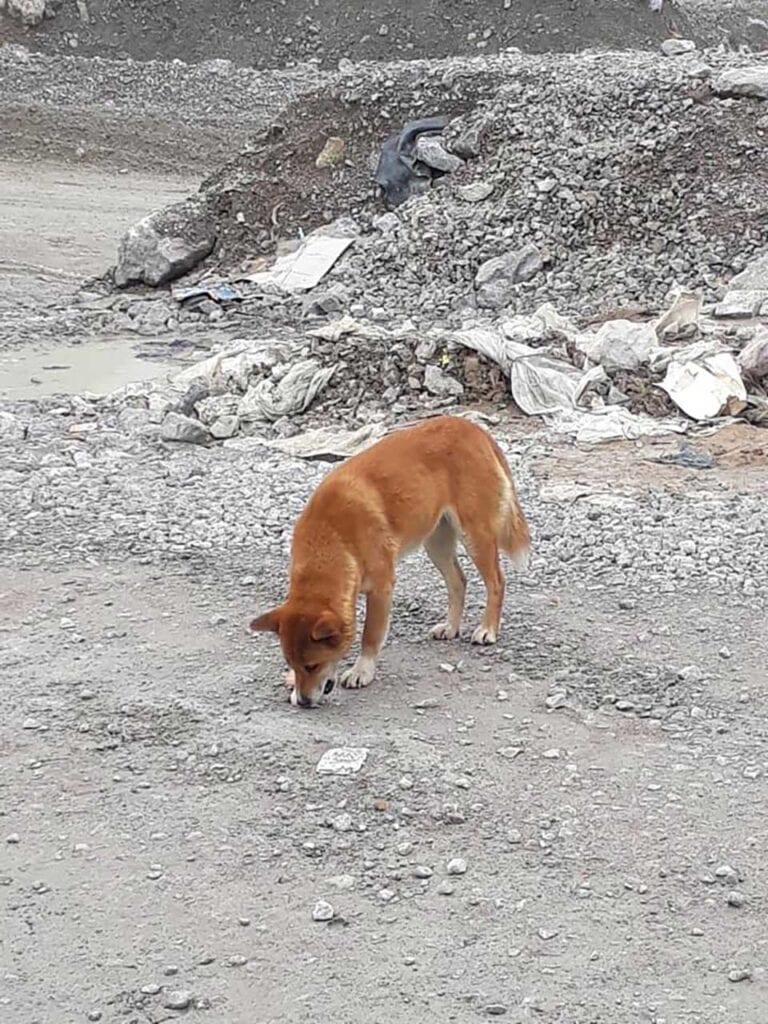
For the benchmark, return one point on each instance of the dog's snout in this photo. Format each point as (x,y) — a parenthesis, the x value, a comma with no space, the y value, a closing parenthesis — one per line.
(329,685)
(300,700)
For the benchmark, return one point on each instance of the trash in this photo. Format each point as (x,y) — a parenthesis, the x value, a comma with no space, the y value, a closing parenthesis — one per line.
(224,294)
(542,385)
(687,458)
(753,358)
(681,321)
(322,443)
(235,366)
(399,173)
(707,387)
(346,325)
(342,761)
(619,345)
(293,393)
(302,270)
(610,423)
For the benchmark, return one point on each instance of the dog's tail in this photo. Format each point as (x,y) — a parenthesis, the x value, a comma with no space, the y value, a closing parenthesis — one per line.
(514,535)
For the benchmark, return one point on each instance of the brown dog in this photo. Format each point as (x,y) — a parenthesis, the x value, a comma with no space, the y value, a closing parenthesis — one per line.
(428,485)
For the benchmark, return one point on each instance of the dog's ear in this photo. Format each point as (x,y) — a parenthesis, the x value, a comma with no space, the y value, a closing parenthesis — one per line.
(269,622)
(327,629)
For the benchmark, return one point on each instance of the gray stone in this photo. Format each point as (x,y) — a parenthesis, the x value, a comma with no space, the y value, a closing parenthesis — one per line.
(29,12)
(441,384)
(178,999)
(11,427)
(754,277)
(475,192)
(457,866)
(166,244)
(224,427)
(497,278)
(677,47)
(751,82)
(741,304)
(182,428)
(431,152)
(323,911)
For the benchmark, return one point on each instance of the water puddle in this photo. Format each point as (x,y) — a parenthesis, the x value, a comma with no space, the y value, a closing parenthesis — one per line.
(99,366)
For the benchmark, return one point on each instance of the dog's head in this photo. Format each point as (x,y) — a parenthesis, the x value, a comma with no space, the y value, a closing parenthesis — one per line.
(313,644)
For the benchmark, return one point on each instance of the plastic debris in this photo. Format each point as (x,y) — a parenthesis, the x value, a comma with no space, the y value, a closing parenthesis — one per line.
(223,294)
(688,458)
(326,442)
(342,761)
(620,345)
(706,388)
(753,358)
(399,173)
(302,270)
(293,393)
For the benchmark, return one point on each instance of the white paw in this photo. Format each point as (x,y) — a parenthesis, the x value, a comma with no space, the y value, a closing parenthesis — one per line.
(483,635)
(361,674)
(443,631)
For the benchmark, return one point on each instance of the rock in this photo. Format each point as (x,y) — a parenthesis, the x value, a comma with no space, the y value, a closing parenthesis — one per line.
(556,700)
(30,12)
(439,383)
(430,150)
(178,999)
(457,866)
(677,47)
(741,974)
(741,304)
(753,358)
(332,154)
(13,839)
(224,427)
(11,427)
(445,888)
(422,871)
(184,429)
(323,911)
(754,277)
(166,244)
(735,899)
(743,82)
(342,761)
(475,192)
(496,279)
(495,1009)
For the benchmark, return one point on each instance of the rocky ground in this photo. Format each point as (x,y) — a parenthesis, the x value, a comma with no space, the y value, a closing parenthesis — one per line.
(567,827)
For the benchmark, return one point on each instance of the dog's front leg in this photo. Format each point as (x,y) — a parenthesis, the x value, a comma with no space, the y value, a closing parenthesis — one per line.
(377,607)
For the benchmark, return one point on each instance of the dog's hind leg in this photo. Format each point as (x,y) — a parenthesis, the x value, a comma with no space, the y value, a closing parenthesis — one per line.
(483,548)
(441,548)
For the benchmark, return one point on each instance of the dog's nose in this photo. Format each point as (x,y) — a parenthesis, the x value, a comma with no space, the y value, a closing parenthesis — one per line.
(300,700)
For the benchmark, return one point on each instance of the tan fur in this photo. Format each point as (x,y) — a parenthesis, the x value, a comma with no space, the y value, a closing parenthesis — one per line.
(433,484)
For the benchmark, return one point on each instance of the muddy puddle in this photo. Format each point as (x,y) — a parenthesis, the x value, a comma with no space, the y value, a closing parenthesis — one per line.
(99,366)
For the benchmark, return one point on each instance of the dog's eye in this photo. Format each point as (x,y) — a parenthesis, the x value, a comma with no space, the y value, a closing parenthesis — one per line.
(310,668)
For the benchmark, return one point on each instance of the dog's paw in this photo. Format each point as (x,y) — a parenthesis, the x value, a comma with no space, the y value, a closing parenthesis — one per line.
(485,636)
(361,674)
(443,631)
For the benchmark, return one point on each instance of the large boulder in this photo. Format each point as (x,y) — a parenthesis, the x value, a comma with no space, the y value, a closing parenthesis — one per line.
(29,12)
(754,277)
(743,82)
(166,244)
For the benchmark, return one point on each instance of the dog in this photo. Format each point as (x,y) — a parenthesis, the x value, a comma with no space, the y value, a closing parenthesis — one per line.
(428,485)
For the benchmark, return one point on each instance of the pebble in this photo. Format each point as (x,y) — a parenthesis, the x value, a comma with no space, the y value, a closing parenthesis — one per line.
(13,838)
(446,889)
(150,990)
(422,871)
(457,866)
(323,911)
(556,700)
(495,1009)
(386,895)
(726,873)
(177,1000)
(743,974)
(735,899)
(94,1015)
